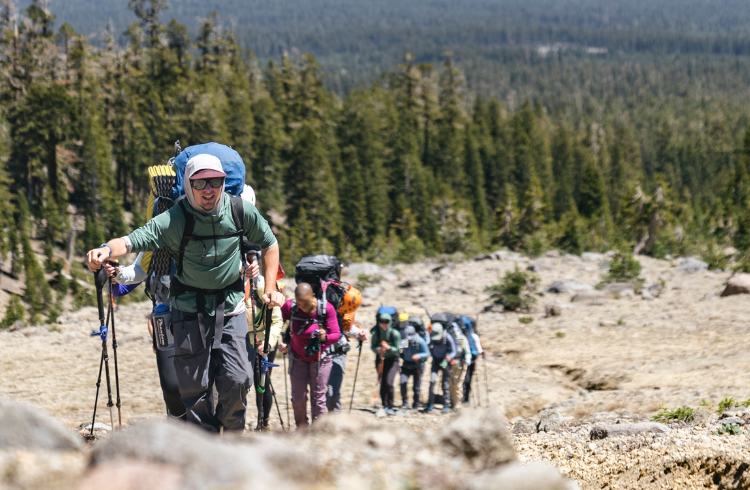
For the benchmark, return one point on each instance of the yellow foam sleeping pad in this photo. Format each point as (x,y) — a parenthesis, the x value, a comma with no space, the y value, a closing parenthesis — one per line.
(162,179)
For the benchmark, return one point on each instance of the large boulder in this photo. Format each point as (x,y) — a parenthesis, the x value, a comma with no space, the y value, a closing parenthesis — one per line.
(363,269)
(592,296)
(23,427)
(199,460)
(519,476)
(691,265)
(737,284)
(567,287)
(550,421)
(481,436)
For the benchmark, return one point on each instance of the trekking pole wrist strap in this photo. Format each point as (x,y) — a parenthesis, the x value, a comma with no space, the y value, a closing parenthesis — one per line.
(107,245)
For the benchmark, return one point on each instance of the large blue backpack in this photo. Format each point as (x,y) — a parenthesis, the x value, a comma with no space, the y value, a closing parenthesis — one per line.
(231,162)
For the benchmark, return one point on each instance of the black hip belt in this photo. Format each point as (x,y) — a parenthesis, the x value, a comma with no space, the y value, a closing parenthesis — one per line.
(177,288)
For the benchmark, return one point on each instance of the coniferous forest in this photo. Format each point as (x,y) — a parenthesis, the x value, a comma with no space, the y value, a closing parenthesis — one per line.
(573,136)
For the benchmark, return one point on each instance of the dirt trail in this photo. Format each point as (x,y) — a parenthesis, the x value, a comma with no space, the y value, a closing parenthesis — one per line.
(678,349)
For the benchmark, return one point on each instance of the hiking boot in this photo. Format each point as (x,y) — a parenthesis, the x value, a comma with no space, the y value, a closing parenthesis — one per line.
(405,406)
(446,410)
(428,408)
(390,411)
(456,409)
(264,428)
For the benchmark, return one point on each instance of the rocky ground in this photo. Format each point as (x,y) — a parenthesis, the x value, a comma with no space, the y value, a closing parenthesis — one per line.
(611,356)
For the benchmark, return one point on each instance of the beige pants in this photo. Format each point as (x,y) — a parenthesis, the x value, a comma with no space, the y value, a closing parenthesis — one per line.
(457,381)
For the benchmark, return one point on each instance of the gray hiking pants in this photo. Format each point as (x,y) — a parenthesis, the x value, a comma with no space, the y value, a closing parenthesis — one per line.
(333,391)
(435,371)
(199,367)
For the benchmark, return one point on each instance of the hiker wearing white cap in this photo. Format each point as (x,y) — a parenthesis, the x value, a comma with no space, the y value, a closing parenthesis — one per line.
(210,325)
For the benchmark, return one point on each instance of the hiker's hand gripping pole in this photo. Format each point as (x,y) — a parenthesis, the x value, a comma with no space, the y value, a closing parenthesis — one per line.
(113,249)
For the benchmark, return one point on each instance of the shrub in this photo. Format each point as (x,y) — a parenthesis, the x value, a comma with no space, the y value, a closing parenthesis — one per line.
(731,429)
(515,291)
(14,311)
(624,268)
(683,413)
(726,404)
(525,319)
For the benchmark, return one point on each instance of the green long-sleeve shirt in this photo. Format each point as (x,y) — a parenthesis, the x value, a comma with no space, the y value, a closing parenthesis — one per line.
(207,264)
(391,336)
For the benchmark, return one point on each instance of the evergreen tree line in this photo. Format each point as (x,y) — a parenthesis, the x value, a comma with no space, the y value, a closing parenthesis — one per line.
(414,165)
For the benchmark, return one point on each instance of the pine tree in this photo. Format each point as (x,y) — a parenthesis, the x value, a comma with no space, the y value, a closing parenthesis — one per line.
(311,187)
(563,167)
(475,174)
(37,292)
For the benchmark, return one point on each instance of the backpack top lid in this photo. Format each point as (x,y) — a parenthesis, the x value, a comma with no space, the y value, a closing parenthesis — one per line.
(388,310)
(313,269)
(231,163)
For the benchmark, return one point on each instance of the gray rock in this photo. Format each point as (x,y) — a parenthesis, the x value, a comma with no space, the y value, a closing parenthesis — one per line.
(543,264)
(519,476)
(372,292)
(206,461)
(554,254)
(567,287)
(523,428)
(592,257)
(618,288)
(589,296)
(24,427)
(496,255)
(737,284)
(617,430)
(552,310)
(550,421)
(732,420)
(481,436)
(656,290)
(647,296)
(691,265)
(380,413)
(363,268)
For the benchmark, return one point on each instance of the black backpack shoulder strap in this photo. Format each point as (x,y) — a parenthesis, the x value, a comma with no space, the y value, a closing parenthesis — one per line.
(238,214)
(187,234)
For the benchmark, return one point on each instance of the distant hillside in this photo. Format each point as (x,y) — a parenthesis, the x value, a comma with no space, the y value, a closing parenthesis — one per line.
(355,41)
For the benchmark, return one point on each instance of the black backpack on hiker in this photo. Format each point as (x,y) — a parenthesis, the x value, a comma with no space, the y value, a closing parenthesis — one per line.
(454,326)
(323,273)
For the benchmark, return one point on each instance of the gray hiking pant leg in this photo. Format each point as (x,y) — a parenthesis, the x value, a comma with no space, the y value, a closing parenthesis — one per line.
(233,373)
(198,368)
(333,391)
(191,362)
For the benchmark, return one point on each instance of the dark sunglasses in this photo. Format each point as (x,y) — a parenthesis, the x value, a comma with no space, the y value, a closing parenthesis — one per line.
(384,321)
(200,184)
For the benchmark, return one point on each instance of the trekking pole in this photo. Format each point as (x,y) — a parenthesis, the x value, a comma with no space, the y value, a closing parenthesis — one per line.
(354,386)
(486,382)
(114,350)
(286,394)
(264,364)
(99,278)
(273,393)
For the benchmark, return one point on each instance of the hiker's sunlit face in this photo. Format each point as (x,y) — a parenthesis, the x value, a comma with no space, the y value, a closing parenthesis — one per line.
(206,197)
(306,304)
